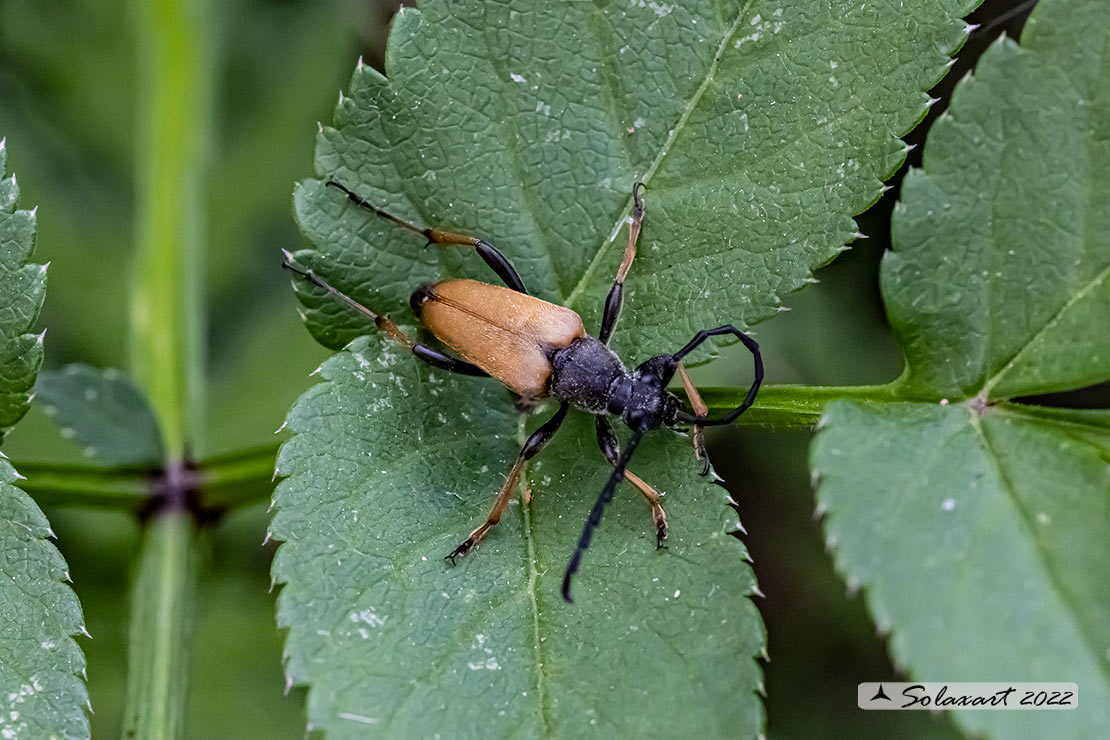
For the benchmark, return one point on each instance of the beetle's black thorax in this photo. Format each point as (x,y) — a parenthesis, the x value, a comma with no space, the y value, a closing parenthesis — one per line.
(589,376)
(583,373)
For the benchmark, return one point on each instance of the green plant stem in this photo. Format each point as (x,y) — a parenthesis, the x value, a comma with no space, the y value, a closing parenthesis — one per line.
(222,482)
(238,479)
(245,477)
(53,484)
(1087,420)
(166,308)
(790,406)
(161,607)
(174,100)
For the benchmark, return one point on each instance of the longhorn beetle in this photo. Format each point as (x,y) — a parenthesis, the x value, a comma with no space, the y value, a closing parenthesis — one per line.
(538,349)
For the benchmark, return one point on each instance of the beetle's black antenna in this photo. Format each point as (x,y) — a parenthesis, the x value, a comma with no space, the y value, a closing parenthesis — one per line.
(433,357)
(603,500)
(489,253)
(319,282)
(361,202)
(749,399)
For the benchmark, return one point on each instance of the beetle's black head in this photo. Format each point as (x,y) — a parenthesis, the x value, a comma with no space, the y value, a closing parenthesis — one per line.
(650,405)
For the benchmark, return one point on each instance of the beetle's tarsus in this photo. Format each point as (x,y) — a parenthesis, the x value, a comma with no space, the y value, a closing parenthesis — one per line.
(461,550)
(637,201)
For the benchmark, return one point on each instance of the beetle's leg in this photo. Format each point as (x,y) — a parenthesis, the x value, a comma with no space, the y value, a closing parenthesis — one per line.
(700,418)
(433,357)
(615,299)
(489,253)
(610,447)
(531,448)
(701,410)
(444,361)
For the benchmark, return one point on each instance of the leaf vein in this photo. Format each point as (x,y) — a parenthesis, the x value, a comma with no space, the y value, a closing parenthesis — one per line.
(599,256)
(507,123)
(1056,318)
(1062,596)
(533,575)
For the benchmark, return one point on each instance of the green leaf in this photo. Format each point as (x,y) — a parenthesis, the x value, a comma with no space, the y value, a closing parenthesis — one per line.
(383,485)
(22,289)
(998,281)
(104,412)
(978,528)
(981,542)
(41,695)
(759,131)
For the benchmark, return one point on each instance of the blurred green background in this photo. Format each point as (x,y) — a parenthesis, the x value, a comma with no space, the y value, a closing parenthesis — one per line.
(67,108)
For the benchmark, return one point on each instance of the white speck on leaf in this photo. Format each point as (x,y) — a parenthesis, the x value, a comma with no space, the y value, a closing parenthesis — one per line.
(358,718)
(368,616)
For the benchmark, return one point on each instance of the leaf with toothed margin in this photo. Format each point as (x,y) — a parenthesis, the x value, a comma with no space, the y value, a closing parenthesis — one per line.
(102,411)
(22,289)
(978,529)
(981,544)
(41,692)
(759,130)
(998,283)
(380,486)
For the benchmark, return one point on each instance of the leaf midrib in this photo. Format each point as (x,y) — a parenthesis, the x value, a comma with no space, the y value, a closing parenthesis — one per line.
(603,248)
(533,576)
(1064,599)
(530,590)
